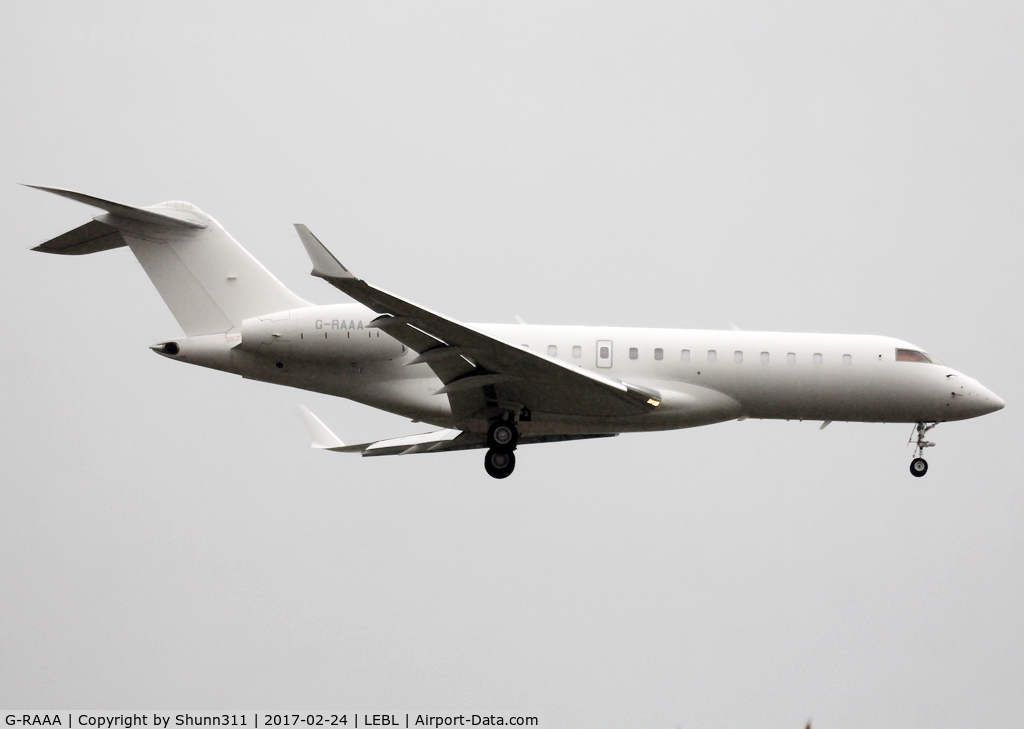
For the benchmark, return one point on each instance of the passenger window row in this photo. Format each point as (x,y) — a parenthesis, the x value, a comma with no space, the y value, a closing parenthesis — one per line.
(765,358)
(684,355)
(577,351)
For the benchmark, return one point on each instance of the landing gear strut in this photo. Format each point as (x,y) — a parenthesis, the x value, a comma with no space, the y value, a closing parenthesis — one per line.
(919,466)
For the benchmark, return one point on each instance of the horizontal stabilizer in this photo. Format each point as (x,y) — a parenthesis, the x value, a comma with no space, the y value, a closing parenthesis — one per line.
(92,237)
(175,220)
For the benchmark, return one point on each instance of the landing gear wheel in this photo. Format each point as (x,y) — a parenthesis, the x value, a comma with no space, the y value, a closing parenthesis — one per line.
(918,467)
(502,436)
(499,464)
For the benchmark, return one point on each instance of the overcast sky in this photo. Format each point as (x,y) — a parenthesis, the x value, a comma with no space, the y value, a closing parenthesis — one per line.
(168,539)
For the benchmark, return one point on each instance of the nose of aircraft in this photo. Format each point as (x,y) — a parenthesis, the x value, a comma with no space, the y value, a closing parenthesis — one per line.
(988,401)
(970,398)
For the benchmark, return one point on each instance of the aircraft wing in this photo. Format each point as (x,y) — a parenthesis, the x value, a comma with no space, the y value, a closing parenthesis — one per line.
(479,371)
(439,440)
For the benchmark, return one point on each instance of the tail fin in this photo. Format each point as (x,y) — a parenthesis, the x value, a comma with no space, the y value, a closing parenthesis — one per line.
(208,281)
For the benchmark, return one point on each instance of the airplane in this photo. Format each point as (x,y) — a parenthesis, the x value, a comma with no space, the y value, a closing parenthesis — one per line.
(498,386)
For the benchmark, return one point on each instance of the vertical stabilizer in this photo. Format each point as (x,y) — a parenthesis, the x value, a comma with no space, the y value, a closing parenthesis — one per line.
(208,281)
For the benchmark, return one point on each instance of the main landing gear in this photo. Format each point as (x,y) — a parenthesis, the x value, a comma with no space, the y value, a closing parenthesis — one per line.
(499,464)
(500,461)
(919,466)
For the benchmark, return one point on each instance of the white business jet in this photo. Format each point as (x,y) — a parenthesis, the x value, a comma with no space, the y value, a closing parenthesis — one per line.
(498,386)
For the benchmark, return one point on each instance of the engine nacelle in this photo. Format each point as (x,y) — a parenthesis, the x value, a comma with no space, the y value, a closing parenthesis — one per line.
(268,330)
(336,333)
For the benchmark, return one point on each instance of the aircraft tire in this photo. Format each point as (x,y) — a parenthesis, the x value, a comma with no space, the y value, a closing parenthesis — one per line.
(502,436)
(918,467)
(499,464)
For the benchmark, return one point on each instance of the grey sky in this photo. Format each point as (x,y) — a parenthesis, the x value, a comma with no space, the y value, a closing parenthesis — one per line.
(167,539)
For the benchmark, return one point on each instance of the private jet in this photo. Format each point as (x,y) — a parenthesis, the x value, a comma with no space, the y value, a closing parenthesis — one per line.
(498,386)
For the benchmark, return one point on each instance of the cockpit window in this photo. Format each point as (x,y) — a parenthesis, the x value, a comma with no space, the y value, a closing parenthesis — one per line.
(912,355)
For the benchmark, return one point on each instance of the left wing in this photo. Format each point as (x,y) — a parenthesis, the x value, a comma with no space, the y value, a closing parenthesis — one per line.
(440,440)
(479,372)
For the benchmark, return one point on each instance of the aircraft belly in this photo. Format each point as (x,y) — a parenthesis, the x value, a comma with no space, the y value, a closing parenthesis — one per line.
(376,386)
(683,405)
(886,395)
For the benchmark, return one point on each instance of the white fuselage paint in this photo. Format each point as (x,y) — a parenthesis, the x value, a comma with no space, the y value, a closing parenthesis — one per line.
(330,349)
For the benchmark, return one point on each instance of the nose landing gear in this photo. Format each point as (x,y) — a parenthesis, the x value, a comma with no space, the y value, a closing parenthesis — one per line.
(919,466)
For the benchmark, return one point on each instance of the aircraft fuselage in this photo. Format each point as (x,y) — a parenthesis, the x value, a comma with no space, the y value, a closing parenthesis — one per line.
(703,376)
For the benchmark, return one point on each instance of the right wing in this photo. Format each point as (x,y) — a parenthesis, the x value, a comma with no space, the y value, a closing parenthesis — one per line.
(477,370)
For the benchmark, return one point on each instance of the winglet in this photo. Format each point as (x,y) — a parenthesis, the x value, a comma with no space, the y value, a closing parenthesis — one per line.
(325,265)
(322,436)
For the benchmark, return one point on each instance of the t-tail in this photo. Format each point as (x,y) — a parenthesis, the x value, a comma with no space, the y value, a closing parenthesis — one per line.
(208,281)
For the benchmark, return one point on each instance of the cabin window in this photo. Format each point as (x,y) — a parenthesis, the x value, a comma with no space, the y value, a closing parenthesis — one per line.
(847,359)
(712,355)
(552,350)
(912,355)
(577,352)
(605,353)
(685,355)
(737,357)
(817,358)
(659,354)
(791,358)
(764,358)
(634,353)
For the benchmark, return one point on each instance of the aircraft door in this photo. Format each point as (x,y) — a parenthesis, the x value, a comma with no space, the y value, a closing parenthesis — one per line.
(604,353)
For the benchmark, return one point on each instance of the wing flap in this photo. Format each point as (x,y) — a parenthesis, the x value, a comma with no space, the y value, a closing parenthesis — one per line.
(455,440)
(437,440)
